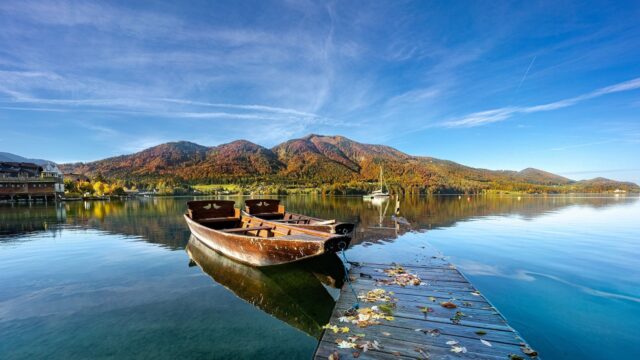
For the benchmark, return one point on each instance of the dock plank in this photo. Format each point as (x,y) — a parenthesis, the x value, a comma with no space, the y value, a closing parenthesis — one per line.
(411,333)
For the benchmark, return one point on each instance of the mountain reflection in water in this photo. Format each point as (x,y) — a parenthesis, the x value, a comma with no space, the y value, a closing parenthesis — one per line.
(104,279)
(294,293)
(159,220)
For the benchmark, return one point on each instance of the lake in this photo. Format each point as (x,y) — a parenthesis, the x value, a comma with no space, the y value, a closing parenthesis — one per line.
(123,280)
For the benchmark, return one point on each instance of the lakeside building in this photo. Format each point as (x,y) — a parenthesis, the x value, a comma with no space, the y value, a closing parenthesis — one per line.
(22,181)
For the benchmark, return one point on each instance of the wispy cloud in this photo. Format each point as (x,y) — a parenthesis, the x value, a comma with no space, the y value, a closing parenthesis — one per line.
(501,114)
(524,77)
(575,146)
(243,107)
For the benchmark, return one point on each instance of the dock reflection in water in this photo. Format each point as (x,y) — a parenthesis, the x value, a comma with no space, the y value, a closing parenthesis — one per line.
(300,294)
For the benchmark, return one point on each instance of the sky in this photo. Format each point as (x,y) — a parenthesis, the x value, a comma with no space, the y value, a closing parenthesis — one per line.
(495,84)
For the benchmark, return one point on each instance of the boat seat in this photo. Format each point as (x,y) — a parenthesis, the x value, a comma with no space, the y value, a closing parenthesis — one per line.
(254,228)
(295,221)
(269,215)
(218,219)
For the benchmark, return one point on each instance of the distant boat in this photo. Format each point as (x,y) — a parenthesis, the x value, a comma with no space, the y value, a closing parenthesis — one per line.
(380,193)
(271,210)
(254,241)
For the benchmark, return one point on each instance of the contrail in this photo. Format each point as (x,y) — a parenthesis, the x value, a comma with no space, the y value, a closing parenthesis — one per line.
(526,72)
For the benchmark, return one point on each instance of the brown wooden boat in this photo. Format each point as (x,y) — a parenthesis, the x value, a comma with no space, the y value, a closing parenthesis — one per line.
(255,241)
(271,210)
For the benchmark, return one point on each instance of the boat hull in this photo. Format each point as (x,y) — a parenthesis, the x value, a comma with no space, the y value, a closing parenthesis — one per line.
(257,251)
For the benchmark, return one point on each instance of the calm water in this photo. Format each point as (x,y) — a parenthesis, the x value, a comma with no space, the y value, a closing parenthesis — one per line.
(122,279)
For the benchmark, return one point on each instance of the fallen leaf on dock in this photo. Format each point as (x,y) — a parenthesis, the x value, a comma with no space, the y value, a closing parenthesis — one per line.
(363,317)
(400,277)
(346,345)
(475,293)
(376,295)
(452,342)
(333,328)
(425,309)
(457,317)
(459,349)
(481,332)
(432,332)
(448,305)
(386,333)
(529,351)
(423,353)
(515,357)
(432,299)
(334,356)
(486,342)
(366,346)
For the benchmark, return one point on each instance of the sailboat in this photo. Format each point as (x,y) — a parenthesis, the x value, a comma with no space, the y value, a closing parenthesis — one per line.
(381,192)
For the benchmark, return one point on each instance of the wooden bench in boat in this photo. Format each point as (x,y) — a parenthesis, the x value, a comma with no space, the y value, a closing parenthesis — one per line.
(253,228)
(269,209)
(213,211)
(293,221)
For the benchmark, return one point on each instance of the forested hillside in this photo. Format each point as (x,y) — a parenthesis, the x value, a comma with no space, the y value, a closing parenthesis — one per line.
(324,161)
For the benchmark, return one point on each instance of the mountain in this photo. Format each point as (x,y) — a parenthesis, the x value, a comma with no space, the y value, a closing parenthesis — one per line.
(164,159)
(325,160)
(46,164)
(9,157)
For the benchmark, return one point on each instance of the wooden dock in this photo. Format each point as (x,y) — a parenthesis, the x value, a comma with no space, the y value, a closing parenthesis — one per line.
(418,321)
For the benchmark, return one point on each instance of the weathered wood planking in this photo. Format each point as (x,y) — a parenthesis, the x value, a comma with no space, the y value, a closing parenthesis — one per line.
(400,338)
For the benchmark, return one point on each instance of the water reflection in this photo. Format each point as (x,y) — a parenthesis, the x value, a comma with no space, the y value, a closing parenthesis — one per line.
(295,293)
(159,220)
(563,257)
(25,219)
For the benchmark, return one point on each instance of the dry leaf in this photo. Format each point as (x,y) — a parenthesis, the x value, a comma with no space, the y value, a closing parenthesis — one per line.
(334,356)
(459,349)
(448,305)
(346,345)
(386,333)
(529,351)
(485,342)
(452,342)
(423,353)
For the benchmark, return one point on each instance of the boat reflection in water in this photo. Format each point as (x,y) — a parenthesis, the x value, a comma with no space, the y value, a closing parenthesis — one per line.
(299,294)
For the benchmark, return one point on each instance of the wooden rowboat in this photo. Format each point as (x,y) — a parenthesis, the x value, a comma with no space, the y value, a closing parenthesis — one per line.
(271,210)
(254,241)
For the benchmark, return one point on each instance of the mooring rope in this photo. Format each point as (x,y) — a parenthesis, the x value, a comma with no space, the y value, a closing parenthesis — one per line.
(356,305)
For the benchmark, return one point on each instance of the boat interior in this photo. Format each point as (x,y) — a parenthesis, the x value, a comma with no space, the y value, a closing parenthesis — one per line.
(221,215)
(270,209)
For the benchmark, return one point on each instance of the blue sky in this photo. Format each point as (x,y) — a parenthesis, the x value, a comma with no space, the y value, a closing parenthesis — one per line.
(501,85)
